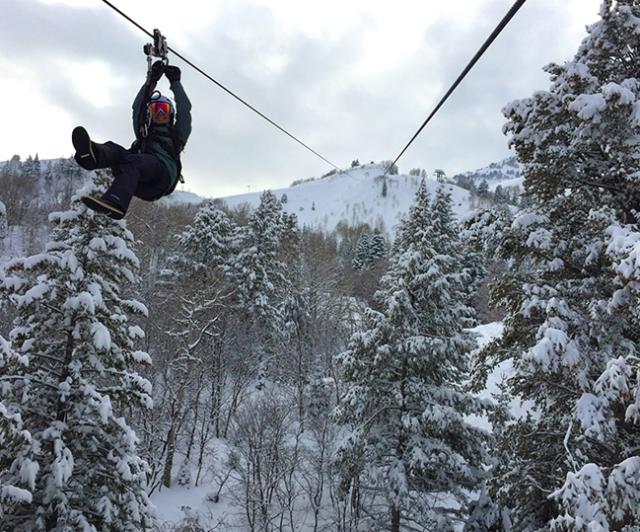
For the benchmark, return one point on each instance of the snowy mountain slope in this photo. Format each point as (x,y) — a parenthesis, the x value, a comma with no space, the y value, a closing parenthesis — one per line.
(184,197)
(515,182)
(351,196)
(354,196)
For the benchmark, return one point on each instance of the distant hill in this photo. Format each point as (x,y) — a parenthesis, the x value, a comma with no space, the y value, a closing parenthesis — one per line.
(350,196)
(353,196)
(505,170)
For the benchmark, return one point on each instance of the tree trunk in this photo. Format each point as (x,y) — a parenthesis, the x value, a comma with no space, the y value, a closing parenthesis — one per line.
(192,435)
(168,465)
(51,519)
(395,519)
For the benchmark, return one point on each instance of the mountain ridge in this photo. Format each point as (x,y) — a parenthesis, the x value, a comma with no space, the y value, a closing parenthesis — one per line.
(358,195)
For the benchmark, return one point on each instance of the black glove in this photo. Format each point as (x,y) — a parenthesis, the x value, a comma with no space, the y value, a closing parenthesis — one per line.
(157,69)
(172,72)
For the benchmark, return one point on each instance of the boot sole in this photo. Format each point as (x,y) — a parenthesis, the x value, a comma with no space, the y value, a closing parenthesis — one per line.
(103,207)
(85,155)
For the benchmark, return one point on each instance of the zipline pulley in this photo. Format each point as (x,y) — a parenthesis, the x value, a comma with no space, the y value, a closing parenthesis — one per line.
(158,48)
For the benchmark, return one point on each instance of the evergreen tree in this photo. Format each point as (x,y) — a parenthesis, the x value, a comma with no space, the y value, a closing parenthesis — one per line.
(446,240)
(72,379)
(417,219)
(31,168)
(257,268)
(571,292)
(16,486)
(207,241)
(377,246)
(4,223)
(500,195)
(483,189)
(258,276)
(362,259)
(486,516)
(403,372)
(12,167)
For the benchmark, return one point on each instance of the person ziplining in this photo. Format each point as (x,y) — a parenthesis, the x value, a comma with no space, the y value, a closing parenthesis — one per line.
(151,167)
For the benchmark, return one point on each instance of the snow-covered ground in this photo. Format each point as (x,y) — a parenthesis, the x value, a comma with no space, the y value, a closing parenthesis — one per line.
(174,505)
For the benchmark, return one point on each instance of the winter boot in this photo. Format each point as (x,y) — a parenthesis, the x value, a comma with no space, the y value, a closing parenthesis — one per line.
(85,149)
(103,206)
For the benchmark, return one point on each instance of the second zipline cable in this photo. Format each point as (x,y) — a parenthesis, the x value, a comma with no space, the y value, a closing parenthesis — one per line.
(501,25)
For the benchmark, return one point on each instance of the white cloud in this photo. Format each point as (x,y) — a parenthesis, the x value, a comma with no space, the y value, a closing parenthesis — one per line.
(353,79)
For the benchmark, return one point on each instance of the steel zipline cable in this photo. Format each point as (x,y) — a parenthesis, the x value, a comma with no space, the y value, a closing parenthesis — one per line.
(228,91)
(501,25)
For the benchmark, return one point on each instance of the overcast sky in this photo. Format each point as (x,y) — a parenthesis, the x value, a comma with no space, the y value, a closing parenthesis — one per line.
(351,78)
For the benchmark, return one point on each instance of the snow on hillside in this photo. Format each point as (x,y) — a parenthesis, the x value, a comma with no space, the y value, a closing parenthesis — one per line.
(181,197)
(506,173)
(353,196)
(350,196)
(515,182)
(504,170)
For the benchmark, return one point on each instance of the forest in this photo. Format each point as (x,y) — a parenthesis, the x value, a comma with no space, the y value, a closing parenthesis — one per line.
(333,381)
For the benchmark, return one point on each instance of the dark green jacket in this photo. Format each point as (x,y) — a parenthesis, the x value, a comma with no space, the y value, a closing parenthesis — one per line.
(158,142)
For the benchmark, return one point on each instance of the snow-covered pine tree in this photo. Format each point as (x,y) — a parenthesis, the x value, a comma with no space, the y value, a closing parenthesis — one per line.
(31,168)
(418,217)
(571,294)
(447,240)
(295,303)
(402,394)
(256,268)
(258,276)
(483,189)
(4,223)
(361,259)
(17,470)
(75,332)
(486,516)
(377,246)
(207,241)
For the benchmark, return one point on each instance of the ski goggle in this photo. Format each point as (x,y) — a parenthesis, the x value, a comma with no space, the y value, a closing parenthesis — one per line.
(165,107)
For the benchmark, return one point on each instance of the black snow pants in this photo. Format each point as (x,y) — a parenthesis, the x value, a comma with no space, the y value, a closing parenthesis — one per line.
(135,174)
